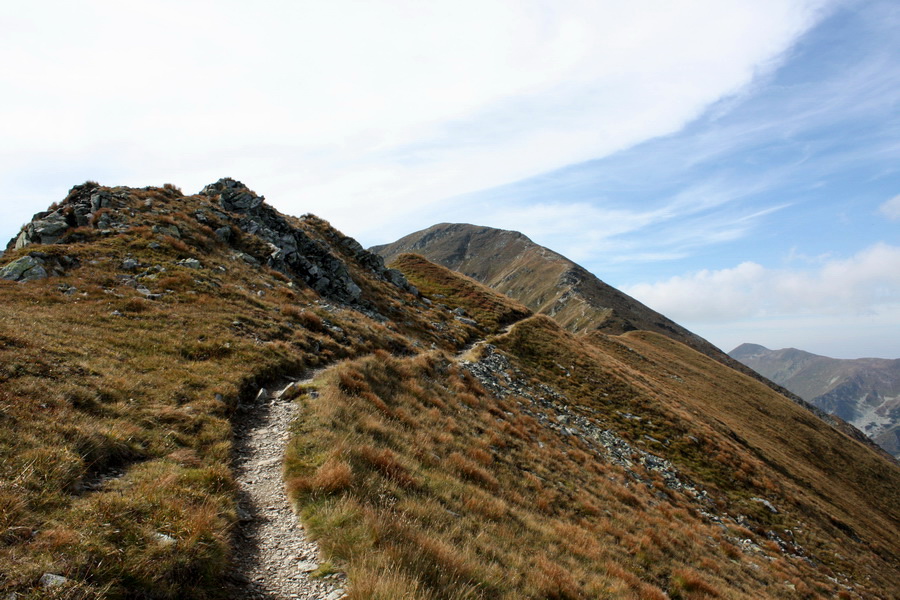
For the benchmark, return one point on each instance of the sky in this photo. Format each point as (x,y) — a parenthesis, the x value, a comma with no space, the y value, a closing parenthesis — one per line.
(734,165)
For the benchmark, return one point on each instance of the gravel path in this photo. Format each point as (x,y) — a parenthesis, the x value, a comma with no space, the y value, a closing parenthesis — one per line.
(272,555)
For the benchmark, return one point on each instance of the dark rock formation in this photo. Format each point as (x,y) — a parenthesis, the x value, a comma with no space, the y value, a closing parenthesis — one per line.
(293,252)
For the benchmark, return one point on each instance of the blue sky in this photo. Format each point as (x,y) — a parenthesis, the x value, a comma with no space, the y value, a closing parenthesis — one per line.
(734,165)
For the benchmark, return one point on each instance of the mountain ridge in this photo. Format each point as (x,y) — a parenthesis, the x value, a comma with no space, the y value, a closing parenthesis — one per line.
(549,283)
(448,442)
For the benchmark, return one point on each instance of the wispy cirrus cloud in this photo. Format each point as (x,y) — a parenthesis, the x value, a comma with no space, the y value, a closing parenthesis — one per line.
(332,107)
(797,151)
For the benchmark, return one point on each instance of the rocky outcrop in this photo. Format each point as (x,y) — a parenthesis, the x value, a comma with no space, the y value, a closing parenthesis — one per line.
(36,265)
(91,209)
(83,207)
(293,252)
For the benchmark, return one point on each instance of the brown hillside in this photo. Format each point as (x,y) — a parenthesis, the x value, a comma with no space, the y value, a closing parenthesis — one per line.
(549,283)
(448,445)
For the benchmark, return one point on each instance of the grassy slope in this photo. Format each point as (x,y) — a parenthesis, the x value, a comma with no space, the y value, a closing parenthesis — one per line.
(490,309)
(115,428)
(415,477)
(551,284)
(427,485)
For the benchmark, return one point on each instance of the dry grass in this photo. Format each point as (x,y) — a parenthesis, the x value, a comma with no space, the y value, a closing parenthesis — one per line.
(493,504)
(490,309)
(115,409)
(115,437)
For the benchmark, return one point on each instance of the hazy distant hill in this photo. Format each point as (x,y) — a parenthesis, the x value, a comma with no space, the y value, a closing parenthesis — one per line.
(863,391)
(445,444)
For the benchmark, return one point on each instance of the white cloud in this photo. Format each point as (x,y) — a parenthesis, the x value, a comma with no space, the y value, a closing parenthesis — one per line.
(891,208)
(336,106)
(867,283)
(844,308)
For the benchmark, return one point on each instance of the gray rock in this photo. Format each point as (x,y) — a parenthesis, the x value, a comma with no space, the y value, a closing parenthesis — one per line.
(171,230)
(224,234)
(247,258)
(27,268)
(767,504)
(285,390)
(22,239)
(129,264)
(295,253)
(190,263)
(50,580)
(233,195)
(307,566)
(99,200)
(163,539)
(146,293)
(49,230)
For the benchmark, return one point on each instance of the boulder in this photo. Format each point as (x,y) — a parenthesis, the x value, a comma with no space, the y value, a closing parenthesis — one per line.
(48,230)
(27,268)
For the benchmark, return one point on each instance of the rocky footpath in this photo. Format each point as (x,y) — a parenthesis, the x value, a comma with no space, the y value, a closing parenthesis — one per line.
(273,558)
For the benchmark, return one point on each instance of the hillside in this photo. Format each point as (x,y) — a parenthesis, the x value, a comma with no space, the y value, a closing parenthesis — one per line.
(543,280)
(864,392)
(446,443)
(549,283)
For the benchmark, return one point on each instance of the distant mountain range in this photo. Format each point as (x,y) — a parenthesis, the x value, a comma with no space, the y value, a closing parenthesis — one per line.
(862,391)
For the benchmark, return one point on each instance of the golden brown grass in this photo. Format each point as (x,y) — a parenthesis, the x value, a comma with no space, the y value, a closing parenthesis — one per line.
(476,499)
(115,410)
(490,309)
(115,438)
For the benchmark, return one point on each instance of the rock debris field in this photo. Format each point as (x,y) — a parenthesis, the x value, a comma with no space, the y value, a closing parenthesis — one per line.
(273,558)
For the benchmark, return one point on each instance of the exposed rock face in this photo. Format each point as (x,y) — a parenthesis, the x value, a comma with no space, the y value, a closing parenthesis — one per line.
(27,268)
(293,252)
(81,208)
(864,392)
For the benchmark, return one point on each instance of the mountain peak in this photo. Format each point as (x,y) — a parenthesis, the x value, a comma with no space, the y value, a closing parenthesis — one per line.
(547,282)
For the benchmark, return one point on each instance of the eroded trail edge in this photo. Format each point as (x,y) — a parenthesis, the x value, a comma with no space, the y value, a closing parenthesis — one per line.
(273,558)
